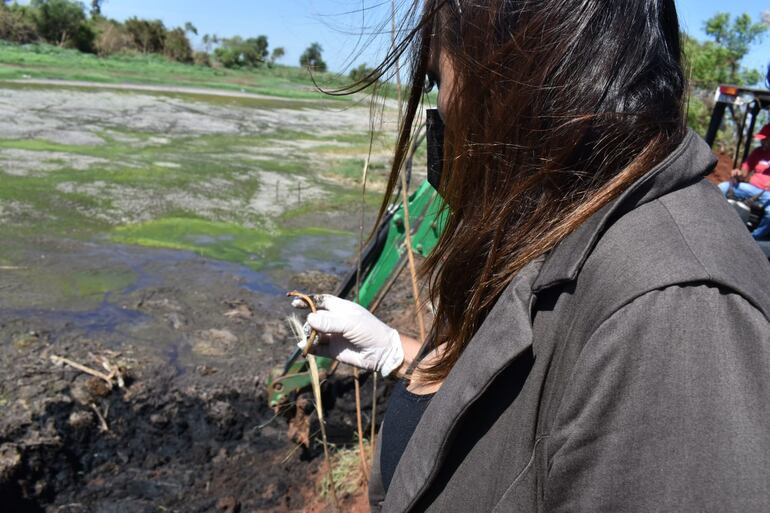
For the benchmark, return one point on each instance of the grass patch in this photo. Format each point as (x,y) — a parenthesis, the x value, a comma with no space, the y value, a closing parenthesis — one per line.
(50,62)
(41,145)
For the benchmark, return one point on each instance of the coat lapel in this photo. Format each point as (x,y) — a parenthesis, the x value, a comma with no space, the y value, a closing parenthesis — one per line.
(506,333)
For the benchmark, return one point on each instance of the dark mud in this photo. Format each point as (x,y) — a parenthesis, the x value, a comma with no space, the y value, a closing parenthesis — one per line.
(191,430)
(168,448)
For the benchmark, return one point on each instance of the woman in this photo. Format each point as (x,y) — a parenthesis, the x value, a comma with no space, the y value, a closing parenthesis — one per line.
(602,334)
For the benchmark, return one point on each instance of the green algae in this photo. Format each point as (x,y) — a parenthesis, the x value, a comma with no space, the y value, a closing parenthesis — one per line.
(220,240)
(252,246)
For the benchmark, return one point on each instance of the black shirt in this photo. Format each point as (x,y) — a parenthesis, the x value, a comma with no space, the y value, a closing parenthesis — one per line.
(404,411)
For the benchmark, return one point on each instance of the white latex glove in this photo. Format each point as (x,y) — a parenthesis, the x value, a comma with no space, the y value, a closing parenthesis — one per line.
(355,336)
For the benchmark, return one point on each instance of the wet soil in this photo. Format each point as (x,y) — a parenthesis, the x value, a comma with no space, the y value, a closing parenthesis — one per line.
(191,430)
(254,188)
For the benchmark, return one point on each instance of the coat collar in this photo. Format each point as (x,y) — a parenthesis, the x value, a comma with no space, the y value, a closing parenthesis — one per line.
(688,162)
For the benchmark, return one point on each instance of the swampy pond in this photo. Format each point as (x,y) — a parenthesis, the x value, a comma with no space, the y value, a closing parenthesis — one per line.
(160,230)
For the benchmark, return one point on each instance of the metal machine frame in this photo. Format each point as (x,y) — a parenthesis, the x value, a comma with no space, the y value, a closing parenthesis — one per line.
(745,104)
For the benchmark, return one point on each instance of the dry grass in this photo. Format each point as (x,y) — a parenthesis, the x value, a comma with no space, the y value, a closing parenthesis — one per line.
(347,473)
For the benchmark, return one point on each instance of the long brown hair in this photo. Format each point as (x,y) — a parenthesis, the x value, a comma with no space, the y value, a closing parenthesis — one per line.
(557,107)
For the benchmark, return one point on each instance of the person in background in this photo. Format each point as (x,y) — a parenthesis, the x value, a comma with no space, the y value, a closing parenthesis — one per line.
(752,180)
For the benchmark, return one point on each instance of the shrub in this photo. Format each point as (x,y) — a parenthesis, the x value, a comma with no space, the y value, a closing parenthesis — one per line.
(149,35)
(362,71)
(63,23)
(112,38)
(83,39)
(176,46)
(202,59)
(236,52)
(16,25)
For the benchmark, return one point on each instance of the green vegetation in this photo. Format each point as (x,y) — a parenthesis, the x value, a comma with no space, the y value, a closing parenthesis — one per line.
(91,284)
(231,242)
(66,25)
(42,61)
(60,22)
(311,58)
(224,241)
(236,52)
(346,471)
(361,72)
(241,196)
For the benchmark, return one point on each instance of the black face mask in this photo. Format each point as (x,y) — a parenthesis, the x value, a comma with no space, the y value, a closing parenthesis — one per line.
(434,134)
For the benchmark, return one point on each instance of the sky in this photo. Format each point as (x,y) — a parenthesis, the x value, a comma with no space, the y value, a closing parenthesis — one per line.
(294,24)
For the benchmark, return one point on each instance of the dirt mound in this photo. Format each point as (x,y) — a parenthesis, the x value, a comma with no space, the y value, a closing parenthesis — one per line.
(722,172)
(161,443)
(158,445)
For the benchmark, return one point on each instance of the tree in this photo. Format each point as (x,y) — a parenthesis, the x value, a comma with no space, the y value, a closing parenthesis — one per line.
(362,71)
(276,55)
(149,35)
(312,58)
(236,52)
(17,24)
(209,41)
(96,8)
(736,38)
(719,61)
(63,23)
(189,27)
(176,46)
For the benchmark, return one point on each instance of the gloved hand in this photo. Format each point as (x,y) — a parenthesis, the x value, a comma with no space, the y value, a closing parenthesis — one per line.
(355,336)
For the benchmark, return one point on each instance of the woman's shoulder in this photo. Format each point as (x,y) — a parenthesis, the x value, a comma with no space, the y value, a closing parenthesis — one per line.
(686,237)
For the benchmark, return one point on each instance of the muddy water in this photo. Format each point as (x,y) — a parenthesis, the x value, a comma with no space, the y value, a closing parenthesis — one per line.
(191,430)
(160,298)
(195,332)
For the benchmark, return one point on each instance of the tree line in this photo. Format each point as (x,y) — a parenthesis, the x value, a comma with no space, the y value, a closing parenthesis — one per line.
(69,24)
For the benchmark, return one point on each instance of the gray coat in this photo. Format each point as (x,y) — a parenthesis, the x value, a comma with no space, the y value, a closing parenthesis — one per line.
(629,371)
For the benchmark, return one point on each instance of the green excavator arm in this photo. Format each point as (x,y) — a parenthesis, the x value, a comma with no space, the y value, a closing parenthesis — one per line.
(381,263)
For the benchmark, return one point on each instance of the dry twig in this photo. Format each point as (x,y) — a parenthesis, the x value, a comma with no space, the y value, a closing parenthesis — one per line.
(359,422)
(103,427)
(311,304)
(319,409)
(114,370)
